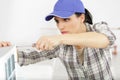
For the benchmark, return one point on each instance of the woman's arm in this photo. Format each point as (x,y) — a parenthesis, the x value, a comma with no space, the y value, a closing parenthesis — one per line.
(88,39)
(31,55)
(101,37)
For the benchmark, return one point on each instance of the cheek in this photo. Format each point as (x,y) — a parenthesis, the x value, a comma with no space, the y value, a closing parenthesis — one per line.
(74,28)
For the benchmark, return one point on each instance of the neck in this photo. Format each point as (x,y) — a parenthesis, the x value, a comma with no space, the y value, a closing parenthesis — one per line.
(84,27)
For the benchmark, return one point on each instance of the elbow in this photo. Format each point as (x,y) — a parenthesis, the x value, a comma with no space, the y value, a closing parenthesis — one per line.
(102,45)
(105,43)
(102,42)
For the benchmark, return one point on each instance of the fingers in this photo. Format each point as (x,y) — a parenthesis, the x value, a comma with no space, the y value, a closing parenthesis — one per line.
(4,44)
(0,45)
(48,42)
(38,45)
(44,43)
(8,44)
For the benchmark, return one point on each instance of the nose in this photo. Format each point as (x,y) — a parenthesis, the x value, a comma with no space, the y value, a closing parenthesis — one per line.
(61,25)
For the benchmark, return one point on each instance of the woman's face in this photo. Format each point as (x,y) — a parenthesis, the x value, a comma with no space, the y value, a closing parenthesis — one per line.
(71,25)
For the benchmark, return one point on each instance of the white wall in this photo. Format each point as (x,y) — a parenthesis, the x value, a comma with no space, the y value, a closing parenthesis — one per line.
(105,10)
(23,20)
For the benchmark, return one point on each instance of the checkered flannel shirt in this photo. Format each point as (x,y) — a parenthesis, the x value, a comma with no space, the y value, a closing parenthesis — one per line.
(96,65)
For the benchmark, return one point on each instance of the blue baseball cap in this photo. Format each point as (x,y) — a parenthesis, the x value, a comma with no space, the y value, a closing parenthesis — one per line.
(66,8)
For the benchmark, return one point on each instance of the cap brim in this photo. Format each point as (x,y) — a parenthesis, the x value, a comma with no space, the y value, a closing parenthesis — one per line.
(61,14)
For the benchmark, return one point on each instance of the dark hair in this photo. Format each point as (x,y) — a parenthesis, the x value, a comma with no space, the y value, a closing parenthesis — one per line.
(88,16)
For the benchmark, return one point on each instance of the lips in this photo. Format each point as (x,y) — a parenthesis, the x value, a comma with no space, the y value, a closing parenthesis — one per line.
(64,32)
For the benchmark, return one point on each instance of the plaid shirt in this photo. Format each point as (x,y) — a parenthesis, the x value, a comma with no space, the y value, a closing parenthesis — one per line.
(96,65)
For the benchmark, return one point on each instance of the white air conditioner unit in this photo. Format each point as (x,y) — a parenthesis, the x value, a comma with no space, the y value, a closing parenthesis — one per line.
(45,70)
(7,63)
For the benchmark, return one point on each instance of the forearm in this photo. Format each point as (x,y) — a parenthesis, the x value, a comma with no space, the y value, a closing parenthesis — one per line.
(26,58)
(31,55)
(88,39)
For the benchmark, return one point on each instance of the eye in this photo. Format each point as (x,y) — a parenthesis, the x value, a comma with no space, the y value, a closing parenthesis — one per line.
(56,21)
(66,19)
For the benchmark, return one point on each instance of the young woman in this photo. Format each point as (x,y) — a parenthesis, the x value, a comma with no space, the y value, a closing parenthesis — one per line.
(82,47)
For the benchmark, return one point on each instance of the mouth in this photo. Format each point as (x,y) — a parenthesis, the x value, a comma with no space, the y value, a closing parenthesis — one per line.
(64,32)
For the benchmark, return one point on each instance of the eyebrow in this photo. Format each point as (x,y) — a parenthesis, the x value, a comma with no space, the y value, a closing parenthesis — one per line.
(55,19)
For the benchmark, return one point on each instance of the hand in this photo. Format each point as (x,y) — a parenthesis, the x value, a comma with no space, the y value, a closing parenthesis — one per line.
(48,42)
(4,44)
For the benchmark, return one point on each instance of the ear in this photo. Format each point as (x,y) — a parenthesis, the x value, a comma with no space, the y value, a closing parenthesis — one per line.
(82,17)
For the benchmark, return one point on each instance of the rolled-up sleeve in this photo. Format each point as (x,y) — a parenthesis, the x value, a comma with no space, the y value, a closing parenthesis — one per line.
(30,55)
(103,28)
